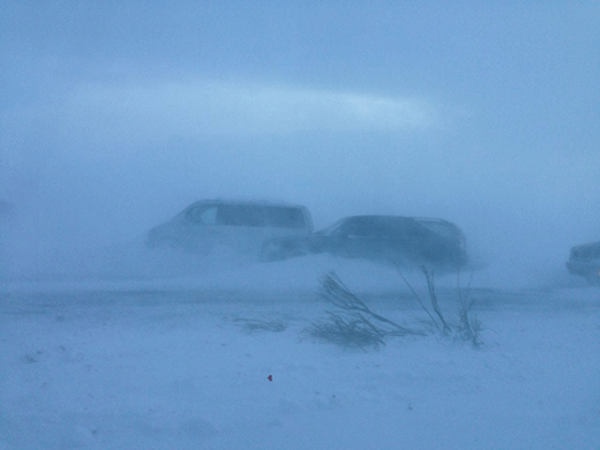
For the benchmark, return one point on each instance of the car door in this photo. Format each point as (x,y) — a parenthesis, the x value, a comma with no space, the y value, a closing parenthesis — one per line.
(201,231)
(359,239)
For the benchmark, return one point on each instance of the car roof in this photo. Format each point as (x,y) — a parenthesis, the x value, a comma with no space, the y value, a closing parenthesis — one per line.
(404,221)
(382,217)
(371,219)
(253,202)
(588,245)
(431,219)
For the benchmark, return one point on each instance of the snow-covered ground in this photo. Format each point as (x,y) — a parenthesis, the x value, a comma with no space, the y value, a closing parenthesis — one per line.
(184,363)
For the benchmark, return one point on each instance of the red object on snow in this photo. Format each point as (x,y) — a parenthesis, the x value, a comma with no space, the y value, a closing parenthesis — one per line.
(270,377)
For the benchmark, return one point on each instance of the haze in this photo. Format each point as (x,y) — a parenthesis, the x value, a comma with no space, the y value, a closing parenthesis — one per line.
(115,116)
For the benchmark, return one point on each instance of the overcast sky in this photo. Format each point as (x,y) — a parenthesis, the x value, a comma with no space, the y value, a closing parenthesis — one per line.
(116,115)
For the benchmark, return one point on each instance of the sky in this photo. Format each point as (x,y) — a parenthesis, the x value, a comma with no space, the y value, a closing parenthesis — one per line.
(114,116)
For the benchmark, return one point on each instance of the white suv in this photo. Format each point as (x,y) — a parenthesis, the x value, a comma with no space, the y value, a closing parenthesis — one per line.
(207,226)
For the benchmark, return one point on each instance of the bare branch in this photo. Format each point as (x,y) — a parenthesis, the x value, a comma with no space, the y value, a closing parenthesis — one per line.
(433,298)
(336,292)
(417,297)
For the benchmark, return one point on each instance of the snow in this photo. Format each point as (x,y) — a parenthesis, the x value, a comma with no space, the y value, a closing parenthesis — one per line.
(150,363)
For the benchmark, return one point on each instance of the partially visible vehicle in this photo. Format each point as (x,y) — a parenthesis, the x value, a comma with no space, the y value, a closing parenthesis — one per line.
(395,239)
(584,260)
(212,225)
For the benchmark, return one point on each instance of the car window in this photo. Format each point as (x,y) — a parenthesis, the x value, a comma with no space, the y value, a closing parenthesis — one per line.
(354,227)
(371,227)
(202,214)
(440,228)
(260,216)
(587,252)
(284,217)
(366,229)
(209,216)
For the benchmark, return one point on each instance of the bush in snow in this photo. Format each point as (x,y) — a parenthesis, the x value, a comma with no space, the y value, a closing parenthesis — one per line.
(354,324)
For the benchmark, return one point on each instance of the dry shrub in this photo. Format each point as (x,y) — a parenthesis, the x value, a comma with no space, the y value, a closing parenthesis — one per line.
(354,324)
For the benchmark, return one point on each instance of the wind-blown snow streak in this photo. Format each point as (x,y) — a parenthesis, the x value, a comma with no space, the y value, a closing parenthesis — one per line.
(192,109)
